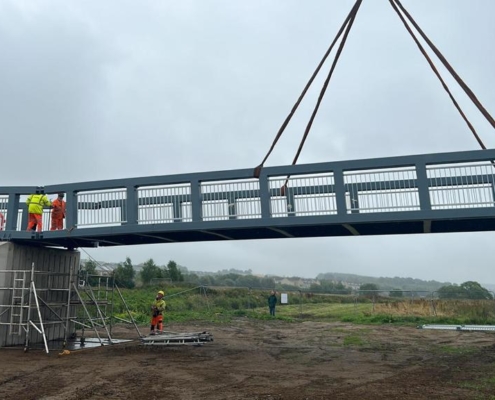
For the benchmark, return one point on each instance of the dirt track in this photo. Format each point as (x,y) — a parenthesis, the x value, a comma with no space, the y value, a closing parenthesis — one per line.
(265,360)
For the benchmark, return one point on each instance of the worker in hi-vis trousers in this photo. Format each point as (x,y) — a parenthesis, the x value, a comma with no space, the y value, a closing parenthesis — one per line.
(35,203)
(58,213)
(157,309)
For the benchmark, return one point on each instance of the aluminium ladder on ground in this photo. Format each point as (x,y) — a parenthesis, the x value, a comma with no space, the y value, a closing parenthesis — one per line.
(20,308)
(177,339)
(468,328)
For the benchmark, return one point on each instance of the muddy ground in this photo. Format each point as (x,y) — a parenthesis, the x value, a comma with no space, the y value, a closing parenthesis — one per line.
(251,359)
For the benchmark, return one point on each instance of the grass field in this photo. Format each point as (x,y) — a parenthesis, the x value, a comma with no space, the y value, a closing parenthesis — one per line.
(221,304)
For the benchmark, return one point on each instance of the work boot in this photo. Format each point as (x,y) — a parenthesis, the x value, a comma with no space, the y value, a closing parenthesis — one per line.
(152,333)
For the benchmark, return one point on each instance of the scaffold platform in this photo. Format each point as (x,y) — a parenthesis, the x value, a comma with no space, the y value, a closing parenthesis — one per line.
(479,328)
(177,339)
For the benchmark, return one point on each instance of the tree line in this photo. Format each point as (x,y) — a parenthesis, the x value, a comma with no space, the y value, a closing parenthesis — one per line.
(125,275)
(468,290)
(385,283)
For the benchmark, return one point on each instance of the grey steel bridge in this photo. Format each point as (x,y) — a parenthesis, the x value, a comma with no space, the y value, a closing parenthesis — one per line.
(448,192)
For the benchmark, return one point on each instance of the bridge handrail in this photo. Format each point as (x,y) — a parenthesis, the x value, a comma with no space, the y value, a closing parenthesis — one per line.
(340,179)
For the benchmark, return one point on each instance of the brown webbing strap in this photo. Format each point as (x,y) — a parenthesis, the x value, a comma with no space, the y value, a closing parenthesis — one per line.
(327,81)
(257,170)
(435,70)
(323,90)
(437,52)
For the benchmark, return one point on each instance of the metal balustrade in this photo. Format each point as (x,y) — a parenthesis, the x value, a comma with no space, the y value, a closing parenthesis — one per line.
(461,186)
(101,208)
(163,204)
(230,199)
(302,195)
(435,187)
(387,190)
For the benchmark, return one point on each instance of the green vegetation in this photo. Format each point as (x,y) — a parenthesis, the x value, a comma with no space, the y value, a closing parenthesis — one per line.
(220,297)
(396,293)
(467,290)
(386,284)
(353,340)
(327,286)
(151,272)
(89,272)
(187,303)
(482,384)
(124,274)
(455,350)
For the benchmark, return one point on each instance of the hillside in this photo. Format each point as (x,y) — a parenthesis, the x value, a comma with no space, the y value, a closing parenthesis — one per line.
(384,282)
(237,277)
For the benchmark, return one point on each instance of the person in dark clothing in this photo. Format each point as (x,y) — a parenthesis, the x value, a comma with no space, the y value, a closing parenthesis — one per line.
(272,302)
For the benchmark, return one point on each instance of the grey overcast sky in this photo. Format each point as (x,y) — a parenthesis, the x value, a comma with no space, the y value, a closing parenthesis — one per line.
(94,90)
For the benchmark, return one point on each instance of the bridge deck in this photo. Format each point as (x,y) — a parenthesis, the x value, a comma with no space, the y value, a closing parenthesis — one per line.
(448,192)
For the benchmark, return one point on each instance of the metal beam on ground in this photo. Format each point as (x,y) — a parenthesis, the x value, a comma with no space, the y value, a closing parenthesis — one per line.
(481,328)
(177,339)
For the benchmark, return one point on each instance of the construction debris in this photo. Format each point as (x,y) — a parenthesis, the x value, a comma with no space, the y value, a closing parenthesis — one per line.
(175,339)
(483,328)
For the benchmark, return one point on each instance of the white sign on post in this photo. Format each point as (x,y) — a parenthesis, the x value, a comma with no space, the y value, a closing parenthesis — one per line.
(283,298)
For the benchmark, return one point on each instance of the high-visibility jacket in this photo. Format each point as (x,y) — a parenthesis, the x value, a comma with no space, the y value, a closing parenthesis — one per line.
(58,210)
(2,221)
(158,306)
(35,203)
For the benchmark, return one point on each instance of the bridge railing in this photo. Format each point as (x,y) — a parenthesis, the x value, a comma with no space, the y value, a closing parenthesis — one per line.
(466,185)
(431,182)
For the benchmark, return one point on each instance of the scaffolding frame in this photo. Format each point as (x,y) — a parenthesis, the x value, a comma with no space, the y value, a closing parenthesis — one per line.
(26,308)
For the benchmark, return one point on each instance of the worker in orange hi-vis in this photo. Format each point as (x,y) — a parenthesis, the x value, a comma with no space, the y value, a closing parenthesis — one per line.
(35,203)
(58,213)
(158,308)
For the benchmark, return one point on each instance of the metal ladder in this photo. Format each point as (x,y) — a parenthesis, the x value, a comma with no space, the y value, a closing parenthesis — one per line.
(33,295)
(17,304)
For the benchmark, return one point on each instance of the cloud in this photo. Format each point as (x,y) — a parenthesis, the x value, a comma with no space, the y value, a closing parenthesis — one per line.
(100,90)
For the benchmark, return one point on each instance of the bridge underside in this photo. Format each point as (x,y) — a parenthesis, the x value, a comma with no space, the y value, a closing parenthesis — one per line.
(162,233)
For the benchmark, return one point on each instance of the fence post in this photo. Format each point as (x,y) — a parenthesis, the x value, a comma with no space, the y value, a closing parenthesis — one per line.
(433,304)
(300,304)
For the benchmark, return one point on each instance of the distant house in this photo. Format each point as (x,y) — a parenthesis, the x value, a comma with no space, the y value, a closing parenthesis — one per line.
(350,285)
(106,269)
(301,283)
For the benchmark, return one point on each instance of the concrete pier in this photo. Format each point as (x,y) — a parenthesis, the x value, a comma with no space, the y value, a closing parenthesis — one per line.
(54,272)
